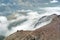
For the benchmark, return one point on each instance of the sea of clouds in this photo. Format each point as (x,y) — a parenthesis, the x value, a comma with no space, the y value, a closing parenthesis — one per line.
(31,23)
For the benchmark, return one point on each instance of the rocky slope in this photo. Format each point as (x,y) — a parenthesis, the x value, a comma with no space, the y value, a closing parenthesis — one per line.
(47,32)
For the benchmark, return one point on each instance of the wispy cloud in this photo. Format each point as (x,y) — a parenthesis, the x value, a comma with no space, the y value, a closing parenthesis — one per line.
(54,1)
(51,10)
(26,3)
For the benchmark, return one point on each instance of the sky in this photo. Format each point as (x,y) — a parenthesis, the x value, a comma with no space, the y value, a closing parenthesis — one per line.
(9,6)
(21,14)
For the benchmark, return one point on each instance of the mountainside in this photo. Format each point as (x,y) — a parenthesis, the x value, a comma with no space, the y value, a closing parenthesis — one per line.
(47,32)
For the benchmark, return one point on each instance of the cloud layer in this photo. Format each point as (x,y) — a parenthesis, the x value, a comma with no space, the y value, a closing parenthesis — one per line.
(25,14)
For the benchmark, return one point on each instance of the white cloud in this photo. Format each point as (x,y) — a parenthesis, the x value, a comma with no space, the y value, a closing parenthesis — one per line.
(3,25)
(33,18)
(2,4)
(26,3)
(23,10)
(33,15)
(54,1)
(51,10)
